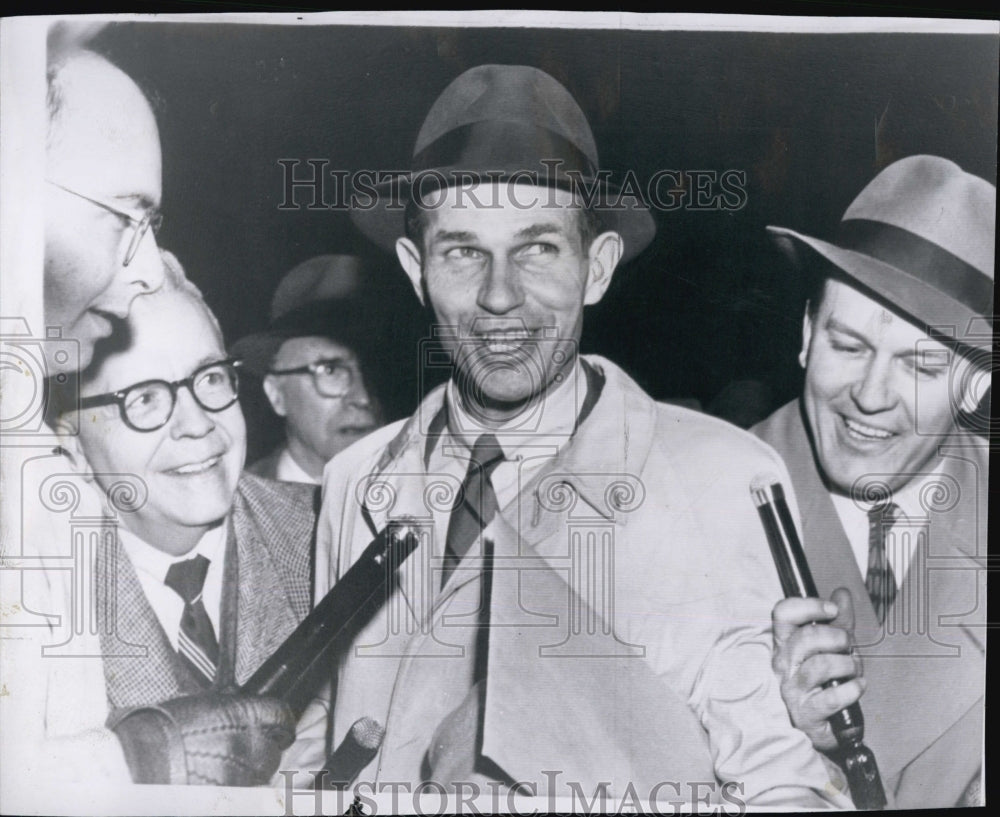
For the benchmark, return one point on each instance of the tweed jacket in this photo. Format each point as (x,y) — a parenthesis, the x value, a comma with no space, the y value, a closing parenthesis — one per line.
(926,667)
(272,529)
(653,502)
(67,685)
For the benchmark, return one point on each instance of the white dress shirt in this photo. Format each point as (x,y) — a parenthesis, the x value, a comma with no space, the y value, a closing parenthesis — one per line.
(288,470)
(151,566)
(899,549)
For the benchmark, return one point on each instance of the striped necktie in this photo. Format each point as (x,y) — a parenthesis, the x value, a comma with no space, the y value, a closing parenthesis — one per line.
(880,582)
(196,641)
(476,504)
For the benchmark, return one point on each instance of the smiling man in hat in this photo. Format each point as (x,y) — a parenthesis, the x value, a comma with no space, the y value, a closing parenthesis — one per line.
(562,629)
(892,489)
(312,358)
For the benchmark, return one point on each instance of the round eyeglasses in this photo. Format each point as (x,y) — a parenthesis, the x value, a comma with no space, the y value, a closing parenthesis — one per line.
(152,218)
(332,378)
(149,405)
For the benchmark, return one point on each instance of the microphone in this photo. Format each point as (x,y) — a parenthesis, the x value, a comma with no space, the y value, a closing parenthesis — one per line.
(355,752)
(302,662)
(796,581)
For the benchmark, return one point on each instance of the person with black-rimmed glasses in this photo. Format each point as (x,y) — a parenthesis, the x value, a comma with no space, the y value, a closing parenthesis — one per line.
(209,567)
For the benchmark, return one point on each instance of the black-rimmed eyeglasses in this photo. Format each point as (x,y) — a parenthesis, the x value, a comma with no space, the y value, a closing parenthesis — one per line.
(332,377)
(152,218)
(149,405)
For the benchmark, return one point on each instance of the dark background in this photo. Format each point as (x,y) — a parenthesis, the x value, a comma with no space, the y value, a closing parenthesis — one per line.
(708,303)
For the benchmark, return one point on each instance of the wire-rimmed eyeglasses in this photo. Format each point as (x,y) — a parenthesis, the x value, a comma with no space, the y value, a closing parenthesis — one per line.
(149,405)
(332,377)
(152,218)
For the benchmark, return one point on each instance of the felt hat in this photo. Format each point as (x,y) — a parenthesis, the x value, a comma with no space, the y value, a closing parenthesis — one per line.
(504,123)
(324,296)
(921,237)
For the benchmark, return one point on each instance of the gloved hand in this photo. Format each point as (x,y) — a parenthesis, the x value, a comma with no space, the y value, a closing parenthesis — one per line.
(210,739)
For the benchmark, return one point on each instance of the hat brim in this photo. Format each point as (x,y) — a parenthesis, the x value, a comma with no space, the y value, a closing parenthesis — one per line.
(385,221)
(347,322)
(932,309)
(257,351)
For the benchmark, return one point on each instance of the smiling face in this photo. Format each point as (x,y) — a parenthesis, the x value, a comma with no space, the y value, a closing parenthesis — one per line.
(509,283)
(318,426)
(103,144)
(191,465)
(871,377)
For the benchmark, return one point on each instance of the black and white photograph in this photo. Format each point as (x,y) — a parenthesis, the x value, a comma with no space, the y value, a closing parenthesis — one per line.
(495,412)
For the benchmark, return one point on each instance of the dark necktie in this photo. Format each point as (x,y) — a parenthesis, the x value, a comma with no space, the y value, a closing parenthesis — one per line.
(880,580)
(476,505)
(196,642)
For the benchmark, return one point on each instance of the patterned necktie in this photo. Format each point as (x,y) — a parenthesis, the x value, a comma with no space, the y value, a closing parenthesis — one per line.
(880,581)
(476,505)
(196,642)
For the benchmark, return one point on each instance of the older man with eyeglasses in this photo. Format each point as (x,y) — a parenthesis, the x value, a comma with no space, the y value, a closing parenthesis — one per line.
(210,568)
(312,359)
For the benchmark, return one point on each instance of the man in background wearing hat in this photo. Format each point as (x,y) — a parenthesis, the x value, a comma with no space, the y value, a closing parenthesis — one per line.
(892,491)
(534,466)
(311,360)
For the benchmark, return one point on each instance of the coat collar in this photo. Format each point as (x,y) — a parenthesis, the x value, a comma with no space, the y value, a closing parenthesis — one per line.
(588,479)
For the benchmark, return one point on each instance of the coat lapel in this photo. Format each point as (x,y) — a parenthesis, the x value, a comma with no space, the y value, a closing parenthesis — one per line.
(137,679)
(935,667)
(931,659)
(593,476)
(265,615)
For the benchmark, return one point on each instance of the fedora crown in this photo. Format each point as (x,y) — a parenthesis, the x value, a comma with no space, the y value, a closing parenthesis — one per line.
(936,200)
(507,93)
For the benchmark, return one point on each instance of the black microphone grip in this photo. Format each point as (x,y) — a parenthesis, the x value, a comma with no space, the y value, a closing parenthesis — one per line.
(302,661)
(796,581)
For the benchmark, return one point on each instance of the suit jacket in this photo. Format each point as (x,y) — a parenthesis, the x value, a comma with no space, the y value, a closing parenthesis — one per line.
(651,504)
(271,529)
(57,668)
(925,668)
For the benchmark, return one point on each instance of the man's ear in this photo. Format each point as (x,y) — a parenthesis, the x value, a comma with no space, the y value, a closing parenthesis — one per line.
(605,253)
(69,442)
(409,259)
(275,395)
(807,333)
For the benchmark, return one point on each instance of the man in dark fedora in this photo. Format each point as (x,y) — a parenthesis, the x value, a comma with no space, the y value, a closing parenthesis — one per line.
(892,489)
(312,359)
(561,630)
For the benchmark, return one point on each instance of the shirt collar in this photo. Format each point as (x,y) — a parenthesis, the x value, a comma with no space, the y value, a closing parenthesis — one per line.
(907,498)
(154,562)
(552,421)
(288,470)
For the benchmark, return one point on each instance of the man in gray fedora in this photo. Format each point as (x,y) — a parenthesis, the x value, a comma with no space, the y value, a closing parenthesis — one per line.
(891,486)
(312,358)
(562,629)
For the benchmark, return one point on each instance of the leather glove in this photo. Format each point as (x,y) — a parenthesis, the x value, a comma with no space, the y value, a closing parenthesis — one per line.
(212,739)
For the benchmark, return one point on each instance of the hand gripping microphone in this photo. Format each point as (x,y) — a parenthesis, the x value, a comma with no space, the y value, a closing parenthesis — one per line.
(796,581)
